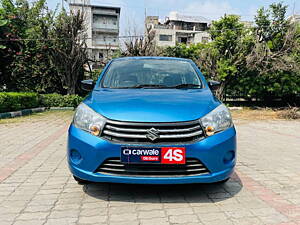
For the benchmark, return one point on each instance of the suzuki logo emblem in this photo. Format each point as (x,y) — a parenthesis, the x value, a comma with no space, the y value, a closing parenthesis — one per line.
(153,134)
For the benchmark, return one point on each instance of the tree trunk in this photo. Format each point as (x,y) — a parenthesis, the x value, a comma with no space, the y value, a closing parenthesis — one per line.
(71,90)
(220,92)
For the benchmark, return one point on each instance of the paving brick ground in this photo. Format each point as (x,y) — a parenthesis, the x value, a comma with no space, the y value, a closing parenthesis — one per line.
(37,188)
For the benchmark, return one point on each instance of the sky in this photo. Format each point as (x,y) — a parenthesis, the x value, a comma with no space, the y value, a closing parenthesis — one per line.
(133,11)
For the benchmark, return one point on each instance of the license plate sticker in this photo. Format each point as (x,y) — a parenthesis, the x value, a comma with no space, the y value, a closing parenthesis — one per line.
(165,155)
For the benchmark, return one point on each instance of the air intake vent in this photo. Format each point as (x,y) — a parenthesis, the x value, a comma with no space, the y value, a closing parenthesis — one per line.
(113,166)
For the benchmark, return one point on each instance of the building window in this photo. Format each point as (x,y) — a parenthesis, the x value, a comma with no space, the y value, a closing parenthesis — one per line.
(164,37)
(183,40)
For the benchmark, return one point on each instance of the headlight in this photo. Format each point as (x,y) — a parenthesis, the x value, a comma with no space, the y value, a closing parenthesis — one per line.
(88,120)
(217,120)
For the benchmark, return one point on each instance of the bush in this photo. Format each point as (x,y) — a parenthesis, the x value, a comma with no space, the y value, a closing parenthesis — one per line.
(291,113)
(13,101)
(57,100)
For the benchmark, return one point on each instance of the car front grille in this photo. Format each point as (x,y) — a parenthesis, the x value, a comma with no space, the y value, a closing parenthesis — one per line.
(135,133)
(113,166)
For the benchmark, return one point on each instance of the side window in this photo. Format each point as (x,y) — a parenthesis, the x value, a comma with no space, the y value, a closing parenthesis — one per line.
(164,37)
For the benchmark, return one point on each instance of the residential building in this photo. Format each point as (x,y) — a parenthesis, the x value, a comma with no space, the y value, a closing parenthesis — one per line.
(179,29)
(248,24)
(294,19)
(102,29)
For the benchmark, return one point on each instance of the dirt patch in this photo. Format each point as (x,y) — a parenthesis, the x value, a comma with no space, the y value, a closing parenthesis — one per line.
(243,114)
(292,113)
(261,114)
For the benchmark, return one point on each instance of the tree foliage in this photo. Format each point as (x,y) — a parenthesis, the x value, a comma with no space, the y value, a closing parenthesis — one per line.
(140,46)
(69,50)
(45,52)
(36,38)
(260,62)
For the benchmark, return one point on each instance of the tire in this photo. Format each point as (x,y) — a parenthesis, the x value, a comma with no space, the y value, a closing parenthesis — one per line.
(81,181)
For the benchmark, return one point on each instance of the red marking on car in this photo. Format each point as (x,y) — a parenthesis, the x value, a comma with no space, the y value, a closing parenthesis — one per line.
(150,158)
(173,155)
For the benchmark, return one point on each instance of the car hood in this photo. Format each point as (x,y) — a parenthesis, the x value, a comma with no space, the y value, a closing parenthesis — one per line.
(152,105)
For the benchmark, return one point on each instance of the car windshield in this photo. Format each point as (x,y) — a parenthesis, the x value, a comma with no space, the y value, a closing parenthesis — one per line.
(151,73)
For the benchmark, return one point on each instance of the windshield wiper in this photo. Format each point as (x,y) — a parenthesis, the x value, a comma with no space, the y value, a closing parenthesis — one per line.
(187,86)
(159,86)
(149,86)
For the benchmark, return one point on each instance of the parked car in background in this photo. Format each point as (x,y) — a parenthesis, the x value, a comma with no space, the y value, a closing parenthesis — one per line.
(151,120)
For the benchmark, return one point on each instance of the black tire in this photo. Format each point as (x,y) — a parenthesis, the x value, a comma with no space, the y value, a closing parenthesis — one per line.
(81,181)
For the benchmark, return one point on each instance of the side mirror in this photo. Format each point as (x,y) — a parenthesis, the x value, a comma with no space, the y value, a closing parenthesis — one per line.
(214,85)
(87,85)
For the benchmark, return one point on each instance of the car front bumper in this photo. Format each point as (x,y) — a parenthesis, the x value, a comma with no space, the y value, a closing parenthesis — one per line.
(92,151)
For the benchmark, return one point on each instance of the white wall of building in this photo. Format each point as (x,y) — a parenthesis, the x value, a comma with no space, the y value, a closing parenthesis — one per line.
(105,22)
(102,29)
(166,32)
(83,2)
(201,37)
(177,29)
(88,21)
(194,37)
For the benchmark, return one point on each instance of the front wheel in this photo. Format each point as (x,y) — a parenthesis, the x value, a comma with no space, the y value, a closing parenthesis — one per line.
(81,181)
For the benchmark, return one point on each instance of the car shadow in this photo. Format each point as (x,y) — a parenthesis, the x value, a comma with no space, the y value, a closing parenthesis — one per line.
(179,193)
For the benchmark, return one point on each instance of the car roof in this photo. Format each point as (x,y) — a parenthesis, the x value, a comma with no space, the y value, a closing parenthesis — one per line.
(151,57)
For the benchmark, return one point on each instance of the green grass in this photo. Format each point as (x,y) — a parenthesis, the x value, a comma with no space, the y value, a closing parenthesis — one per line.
(47,115)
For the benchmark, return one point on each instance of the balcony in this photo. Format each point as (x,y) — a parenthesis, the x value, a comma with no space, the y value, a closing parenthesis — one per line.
(107,43)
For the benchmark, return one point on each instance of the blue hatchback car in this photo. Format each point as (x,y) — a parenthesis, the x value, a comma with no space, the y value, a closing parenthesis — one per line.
(151,120)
